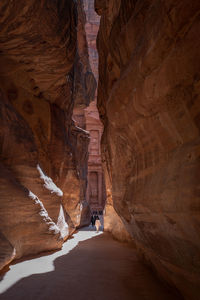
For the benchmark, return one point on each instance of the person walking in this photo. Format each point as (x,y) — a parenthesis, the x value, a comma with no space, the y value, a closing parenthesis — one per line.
(93,220)
(97,223)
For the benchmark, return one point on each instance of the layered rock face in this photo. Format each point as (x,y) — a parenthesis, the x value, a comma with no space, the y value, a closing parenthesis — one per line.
(91,28)
(83,93)
(88,117)
(148,99)
(43,155)
(96,185)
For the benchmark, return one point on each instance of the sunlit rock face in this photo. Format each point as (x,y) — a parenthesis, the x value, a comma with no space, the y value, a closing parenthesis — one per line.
(112,221)
(148,98)
(43,155)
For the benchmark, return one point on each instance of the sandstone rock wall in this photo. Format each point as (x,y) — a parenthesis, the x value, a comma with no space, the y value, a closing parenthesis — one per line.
(88,117)
(112,221)
(148,99)
(84,88)
(91,28)
(43,156)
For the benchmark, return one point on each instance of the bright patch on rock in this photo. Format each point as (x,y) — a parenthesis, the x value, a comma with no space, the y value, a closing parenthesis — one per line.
(48,183)
(61,223)
(43,213)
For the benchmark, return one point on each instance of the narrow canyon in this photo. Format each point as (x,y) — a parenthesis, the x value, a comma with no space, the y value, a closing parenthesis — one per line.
(100,114)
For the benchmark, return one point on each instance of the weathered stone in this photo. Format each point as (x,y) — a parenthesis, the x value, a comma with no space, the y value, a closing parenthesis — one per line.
(91,29)
(148,99)
(88,118)
(42,153)
(96,195)
(7,251)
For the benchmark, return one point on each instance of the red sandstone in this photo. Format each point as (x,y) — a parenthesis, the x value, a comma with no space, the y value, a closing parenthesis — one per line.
(148,99)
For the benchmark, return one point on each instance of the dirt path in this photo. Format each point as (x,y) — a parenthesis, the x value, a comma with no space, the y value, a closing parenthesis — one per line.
(98,268)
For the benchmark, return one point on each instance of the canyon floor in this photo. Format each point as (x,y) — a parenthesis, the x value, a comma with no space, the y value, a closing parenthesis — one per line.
(90,266)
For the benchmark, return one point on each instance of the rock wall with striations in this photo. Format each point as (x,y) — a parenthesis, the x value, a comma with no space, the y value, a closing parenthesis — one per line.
(84,87)
(88,117)
(148,99)
(43,156)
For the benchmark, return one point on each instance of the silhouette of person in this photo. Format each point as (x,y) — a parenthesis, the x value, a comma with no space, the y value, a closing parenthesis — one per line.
(93,220)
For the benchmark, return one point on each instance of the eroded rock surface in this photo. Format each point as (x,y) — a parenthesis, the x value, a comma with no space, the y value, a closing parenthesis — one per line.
(148,98)
(91,28)
(43,155)
(88,117)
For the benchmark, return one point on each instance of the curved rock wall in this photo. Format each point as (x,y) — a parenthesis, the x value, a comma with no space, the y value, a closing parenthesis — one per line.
(148,99)
(84,87)
(43,156)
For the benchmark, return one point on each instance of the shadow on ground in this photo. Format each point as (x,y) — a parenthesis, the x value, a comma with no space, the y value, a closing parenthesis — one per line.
(96,269)
(92,228)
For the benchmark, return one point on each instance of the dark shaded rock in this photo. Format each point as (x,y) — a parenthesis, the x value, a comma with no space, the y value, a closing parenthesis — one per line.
(148,99)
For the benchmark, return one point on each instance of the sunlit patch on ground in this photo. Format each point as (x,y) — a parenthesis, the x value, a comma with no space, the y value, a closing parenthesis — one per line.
(44,264)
